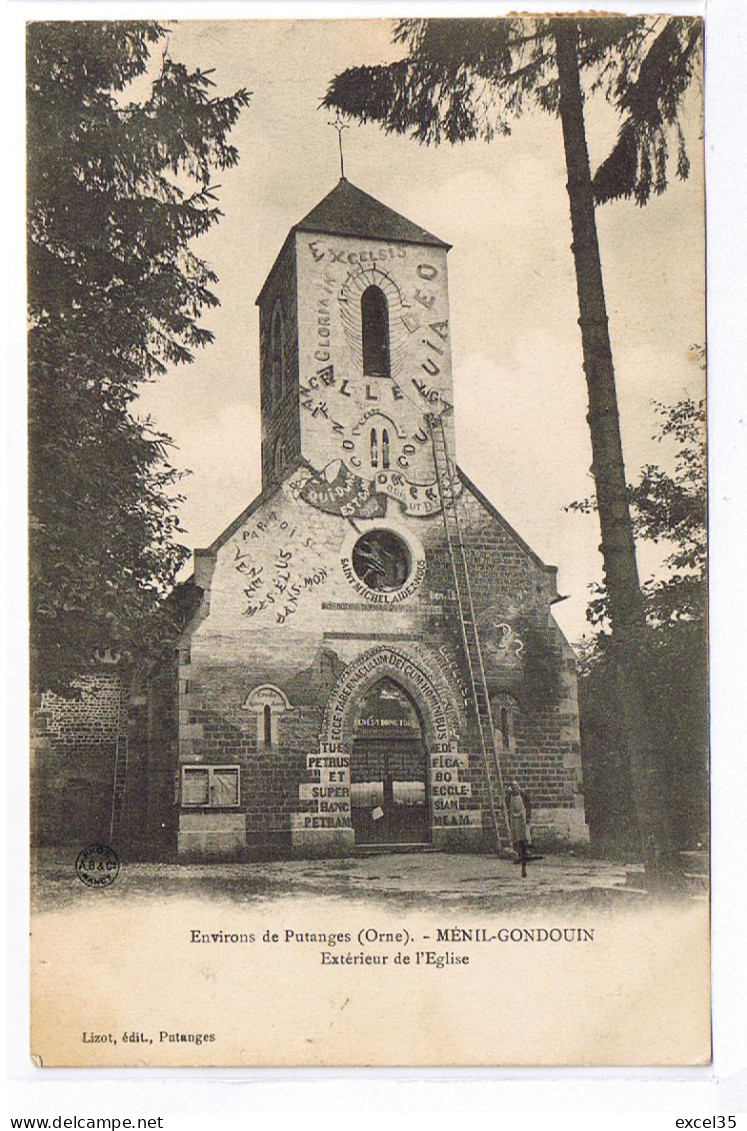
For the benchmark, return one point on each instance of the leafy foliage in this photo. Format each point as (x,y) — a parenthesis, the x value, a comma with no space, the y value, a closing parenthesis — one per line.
(650,105)
(466,79)
(677,701)
(117,191)
(668,507)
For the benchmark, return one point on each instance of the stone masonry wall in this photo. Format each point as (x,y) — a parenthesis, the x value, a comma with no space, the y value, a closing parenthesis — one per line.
(281,611)
(280,415)
(73,751)
(528,659)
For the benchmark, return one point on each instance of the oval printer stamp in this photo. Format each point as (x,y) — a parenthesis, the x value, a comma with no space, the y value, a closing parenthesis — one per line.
(97,865)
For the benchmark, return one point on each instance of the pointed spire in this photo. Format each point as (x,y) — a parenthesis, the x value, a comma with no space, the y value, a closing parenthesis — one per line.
(348,211)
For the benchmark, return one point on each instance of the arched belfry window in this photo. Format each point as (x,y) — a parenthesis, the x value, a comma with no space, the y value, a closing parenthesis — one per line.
(506,716)
(505,728)
(381,453)
(277,360)
(375,332)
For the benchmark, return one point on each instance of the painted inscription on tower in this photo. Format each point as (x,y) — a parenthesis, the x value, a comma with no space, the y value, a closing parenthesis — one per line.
(374,361)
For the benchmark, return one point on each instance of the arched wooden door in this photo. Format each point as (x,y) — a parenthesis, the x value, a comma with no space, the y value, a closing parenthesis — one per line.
(388,769)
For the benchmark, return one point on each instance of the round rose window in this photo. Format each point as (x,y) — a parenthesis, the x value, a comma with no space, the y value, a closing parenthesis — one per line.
(381,560)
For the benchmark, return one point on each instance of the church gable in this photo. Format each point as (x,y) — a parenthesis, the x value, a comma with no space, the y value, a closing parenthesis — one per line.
(265,567)
(499,558)
(290,552)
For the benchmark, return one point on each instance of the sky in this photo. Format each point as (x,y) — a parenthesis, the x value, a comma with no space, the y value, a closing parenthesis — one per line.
(519,386)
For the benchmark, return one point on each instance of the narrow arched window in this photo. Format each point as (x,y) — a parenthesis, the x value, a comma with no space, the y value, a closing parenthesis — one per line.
(267,715)
(375,332)
(374,448)
(385,449)
(277,375)
(278,457)
(507,716)
(505,731)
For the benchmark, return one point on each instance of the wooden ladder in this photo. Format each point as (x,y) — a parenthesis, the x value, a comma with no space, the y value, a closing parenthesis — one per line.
(121,758)
(446,475)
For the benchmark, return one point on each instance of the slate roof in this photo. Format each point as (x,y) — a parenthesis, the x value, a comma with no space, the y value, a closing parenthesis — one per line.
(348,211)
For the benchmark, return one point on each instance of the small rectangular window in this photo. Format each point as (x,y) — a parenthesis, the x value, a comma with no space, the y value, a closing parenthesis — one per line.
(225,786)
(215,787)
(195,786)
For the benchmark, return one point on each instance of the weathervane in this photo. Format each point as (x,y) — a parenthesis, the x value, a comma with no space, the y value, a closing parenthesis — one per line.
(339,125)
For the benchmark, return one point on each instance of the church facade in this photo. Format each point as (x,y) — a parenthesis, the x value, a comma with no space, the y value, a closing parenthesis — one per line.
(368,654)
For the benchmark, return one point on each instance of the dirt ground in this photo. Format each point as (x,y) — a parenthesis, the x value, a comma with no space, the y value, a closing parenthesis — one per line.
(389,959)
(404,880)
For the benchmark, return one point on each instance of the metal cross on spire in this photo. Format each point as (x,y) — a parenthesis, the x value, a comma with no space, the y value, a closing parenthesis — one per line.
(339,125)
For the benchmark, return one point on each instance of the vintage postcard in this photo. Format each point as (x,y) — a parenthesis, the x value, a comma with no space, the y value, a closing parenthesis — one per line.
(368,547)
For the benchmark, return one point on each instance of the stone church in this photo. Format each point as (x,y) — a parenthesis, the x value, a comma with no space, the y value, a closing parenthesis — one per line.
(367,654)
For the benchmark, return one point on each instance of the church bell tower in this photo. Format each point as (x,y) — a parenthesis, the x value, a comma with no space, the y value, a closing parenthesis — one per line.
(355,349)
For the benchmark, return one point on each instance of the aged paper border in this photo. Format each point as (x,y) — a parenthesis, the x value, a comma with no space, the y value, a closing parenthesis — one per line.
(719,12)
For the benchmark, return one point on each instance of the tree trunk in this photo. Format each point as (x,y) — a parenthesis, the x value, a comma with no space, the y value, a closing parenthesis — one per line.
(625,600)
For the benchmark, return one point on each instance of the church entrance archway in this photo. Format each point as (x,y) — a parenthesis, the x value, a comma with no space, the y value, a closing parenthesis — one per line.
(388,769)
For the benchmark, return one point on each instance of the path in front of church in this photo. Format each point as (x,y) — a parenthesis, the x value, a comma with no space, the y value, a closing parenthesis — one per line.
(417,880)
